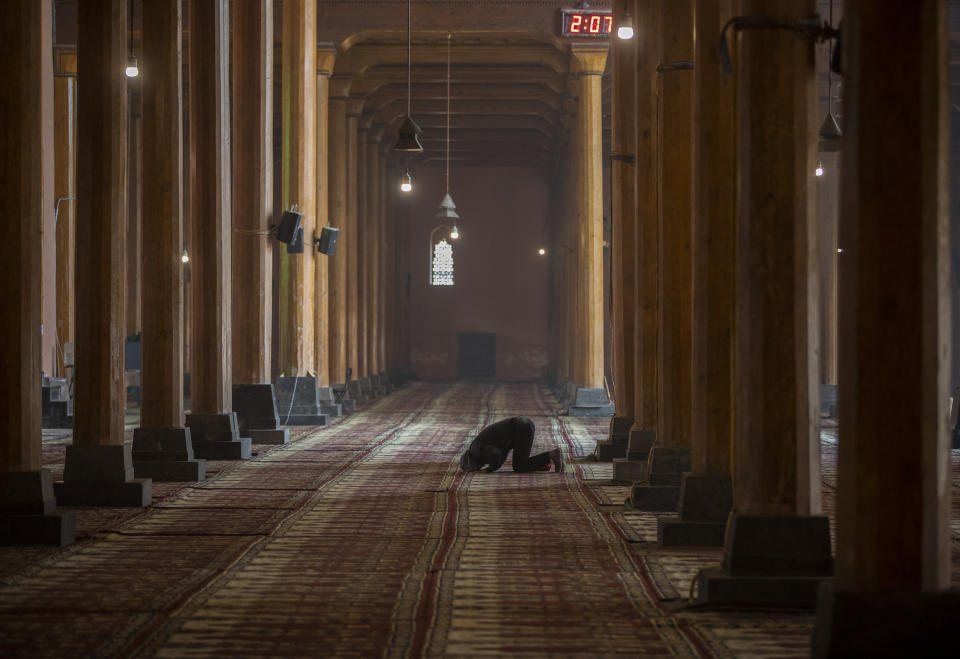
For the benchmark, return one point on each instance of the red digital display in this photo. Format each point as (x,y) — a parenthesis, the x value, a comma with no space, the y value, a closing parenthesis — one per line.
(587,23)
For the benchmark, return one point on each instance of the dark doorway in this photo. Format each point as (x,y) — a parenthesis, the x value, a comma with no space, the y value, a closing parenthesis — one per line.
(478,355)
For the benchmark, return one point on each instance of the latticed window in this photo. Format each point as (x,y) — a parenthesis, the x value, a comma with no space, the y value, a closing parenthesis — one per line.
(442,266)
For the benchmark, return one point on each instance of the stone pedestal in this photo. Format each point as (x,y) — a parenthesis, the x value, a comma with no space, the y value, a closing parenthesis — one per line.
(216,437)
(57,407)
(327,400)
(166,454)
(101,476)
(28,511)
(298,403)
(347,402)
(356,392)
(615,446)
(256,411)
(889,624)
(590,403)
(661,491)
(634,466)
(384,378)
(770,561)
(705,504)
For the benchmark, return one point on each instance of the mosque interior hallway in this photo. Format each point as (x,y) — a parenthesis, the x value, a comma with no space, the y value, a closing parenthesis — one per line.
(364,538)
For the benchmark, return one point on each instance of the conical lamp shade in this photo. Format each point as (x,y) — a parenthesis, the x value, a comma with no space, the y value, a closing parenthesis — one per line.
(830,135)
(408,136)
(448,209)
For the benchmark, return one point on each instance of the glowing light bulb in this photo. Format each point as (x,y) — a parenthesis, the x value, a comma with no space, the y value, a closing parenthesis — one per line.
(839,250)
(454,233)
(819,170)
(132,69)
(541,251)
(406,183)
(185,257)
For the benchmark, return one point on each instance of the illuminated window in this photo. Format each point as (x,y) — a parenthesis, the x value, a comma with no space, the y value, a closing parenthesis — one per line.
(442,267)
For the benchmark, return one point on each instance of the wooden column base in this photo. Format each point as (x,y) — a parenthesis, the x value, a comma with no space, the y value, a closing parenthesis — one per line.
(28,511)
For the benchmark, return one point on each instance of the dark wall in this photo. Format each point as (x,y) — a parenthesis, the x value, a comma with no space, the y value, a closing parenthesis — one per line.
(501,282)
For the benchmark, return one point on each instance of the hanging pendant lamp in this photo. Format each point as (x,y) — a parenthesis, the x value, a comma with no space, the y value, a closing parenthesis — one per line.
(831,137)
(448,209)
(408,135)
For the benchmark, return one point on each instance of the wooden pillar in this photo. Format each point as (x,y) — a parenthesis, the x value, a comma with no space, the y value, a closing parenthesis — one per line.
(648,24)
(297,274)
(623,234)
(210,210)
(893,504)
(670,457)
(212,422)
(65,193)
(705,492)
(773,529)
(98,466)
(322,351)
(101,212)
(384,260)
(252,194)
(371,251)
(134,294)
(350,234)
(337,176)
(362,233)
(162,341)
(162,446)
(26,192)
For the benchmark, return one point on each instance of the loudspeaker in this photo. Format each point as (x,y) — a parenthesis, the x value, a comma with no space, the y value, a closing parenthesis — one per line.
(327,242)
(289,225)
(296,245)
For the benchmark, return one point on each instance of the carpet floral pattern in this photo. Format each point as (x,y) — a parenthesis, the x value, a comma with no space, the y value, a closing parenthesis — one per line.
(364,539)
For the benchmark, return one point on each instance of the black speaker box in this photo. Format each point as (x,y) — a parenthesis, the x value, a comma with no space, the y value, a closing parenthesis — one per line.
(296,245)
(289,225)
(327,242)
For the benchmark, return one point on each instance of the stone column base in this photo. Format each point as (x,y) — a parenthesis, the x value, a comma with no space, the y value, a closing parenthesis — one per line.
(590,403)
(356,392)
(298,402)
(216,437)
(101,476)
(385,382)
(615,446)
(705,504)
(629,471)
(898,624)
(28,511)
(255,406)
(661,491)
(770,560)
(278,436)
(166,454)
(327,397)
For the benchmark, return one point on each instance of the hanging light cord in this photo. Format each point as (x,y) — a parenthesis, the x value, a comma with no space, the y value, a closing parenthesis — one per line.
(830,68)
(130,36)
(449,37)
(408,56)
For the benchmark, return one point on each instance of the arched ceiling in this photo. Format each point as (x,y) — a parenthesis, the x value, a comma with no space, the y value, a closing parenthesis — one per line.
(511,88)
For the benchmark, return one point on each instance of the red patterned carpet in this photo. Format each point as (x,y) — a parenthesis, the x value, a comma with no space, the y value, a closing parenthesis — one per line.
(363,539)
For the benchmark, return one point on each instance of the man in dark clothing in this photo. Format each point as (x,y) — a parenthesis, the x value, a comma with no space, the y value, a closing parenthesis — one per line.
(491,446)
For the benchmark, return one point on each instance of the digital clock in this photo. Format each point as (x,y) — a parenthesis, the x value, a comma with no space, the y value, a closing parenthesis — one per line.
(590,23)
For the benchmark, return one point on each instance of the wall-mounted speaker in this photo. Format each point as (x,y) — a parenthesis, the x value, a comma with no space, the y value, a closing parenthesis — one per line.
(289,225)
(296,245)
(327,242)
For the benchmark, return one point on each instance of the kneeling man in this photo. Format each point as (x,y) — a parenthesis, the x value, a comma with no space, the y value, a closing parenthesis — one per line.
(491,445)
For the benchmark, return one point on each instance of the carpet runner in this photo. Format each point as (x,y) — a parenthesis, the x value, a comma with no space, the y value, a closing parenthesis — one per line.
(364,539)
